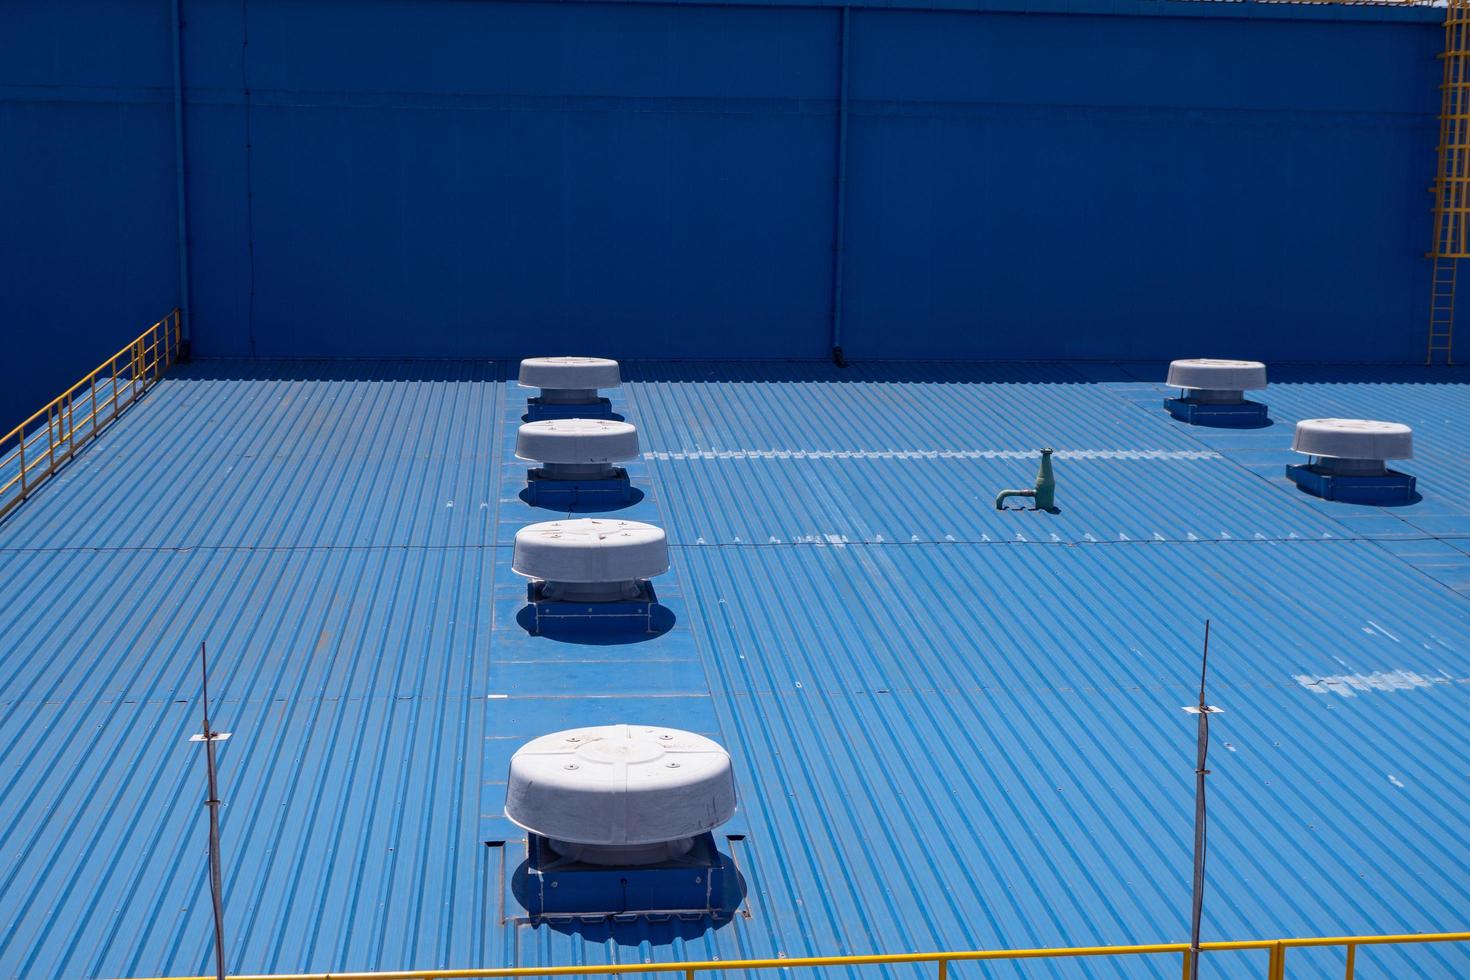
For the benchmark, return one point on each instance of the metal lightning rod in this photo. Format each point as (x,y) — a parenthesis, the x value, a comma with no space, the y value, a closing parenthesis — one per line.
(1200,772)
(216,883)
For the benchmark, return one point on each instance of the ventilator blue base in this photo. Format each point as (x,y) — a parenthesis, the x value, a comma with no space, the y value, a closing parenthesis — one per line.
(624,617)
(1243,414)
(578,494)
(1392,487)
(693,885)
(539,411)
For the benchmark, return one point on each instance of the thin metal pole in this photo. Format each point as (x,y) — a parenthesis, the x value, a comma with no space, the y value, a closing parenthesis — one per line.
(216,884)
(1200,772)
(839,229)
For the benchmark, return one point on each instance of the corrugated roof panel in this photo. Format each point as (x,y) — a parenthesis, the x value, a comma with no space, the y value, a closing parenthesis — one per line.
(953,727)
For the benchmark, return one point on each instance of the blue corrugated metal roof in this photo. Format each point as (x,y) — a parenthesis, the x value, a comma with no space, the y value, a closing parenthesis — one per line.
(953,727)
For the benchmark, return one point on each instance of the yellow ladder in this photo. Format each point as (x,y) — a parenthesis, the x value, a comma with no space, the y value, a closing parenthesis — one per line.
(1451,184)
(1442,311)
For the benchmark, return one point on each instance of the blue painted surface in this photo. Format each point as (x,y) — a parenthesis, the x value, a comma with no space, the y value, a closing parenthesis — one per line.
(425,178)
(953,727)
(88,255)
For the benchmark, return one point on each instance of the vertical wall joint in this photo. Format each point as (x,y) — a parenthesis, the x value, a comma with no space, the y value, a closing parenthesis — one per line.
(839,221)
(181,192)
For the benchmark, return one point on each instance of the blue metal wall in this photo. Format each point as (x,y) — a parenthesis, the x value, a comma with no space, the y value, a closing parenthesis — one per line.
(87,218)
(450,179)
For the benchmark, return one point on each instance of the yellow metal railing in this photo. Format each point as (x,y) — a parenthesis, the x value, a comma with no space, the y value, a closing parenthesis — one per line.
(1274,948)
(34,450)
(1451,186)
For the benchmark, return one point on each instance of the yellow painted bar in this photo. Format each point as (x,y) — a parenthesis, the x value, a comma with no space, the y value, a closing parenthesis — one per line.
(1277,948)
(162,339)
(110,362)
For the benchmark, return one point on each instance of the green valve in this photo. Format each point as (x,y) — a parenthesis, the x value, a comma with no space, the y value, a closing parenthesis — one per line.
(1045,493)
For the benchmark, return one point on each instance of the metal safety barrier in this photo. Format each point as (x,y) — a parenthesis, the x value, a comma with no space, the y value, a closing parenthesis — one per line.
(1274,948)
(34,450)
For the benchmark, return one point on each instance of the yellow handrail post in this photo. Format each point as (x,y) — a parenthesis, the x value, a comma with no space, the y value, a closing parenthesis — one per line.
(51,439)
(944,970)
(1352,957)
(1277,970)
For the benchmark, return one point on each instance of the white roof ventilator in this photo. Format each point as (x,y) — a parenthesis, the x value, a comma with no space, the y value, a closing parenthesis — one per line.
(569,380)
(577,449)
(620,795)
(591,559)
(1213,381)
(1356,447)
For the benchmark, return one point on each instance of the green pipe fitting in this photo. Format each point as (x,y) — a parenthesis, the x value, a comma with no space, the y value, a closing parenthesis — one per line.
(1045,493)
